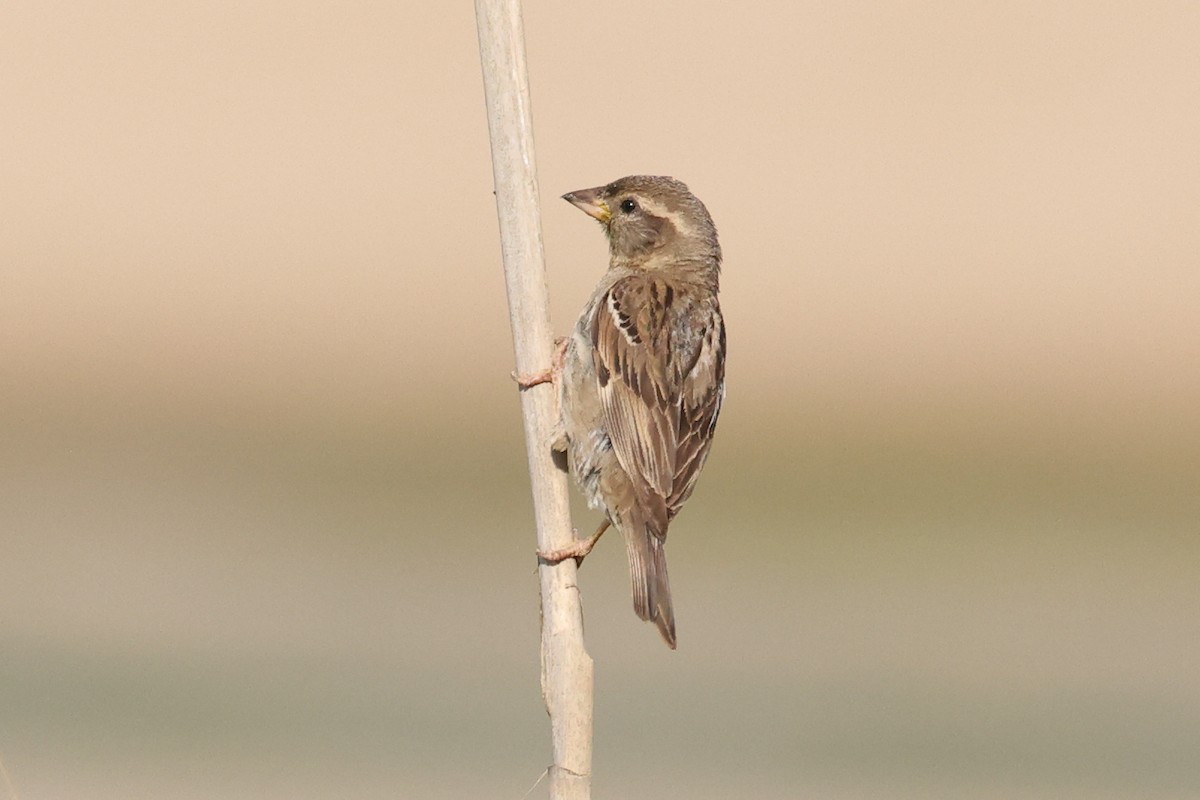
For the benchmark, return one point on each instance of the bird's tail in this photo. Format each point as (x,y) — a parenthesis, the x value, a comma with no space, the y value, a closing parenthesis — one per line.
(648,574)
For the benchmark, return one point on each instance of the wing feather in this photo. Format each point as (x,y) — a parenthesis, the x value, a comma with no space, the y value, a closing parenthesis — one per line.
(659,352)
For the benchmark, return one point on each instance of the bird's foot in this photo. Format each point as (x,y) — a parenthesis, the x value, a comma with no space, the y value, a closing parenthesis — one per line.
(529,380)
(548,375)
(577,550)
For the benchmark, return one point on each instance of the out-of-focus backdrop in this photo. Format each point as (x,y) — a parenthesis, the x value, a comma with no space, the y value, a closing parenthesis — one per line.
(257,424)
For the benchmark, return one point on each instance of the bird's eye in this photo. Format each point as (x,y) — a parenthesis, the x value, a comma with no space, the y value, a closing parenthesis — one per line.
(628,205)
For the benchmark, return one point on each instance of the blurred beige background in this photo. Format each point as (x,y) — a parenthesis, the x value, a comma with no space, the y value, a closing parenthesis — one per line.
(257,423)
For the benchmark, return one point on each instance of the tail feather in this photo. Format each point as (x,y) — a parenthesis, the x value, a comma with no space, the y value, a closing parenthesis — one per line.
(648,576)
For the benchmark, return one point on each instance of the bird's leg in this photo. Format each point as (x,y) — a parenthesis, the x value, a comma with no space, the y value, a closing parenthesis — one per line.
(578,550)
(549,375)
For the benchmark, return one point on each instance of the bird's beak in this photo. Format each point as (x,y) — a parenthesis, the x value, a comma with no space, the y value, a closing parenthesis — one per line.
(589,201)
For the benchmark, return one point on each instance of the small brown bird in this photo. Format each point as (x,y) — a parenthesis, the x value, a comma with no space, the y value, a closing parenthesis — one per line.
(642,377)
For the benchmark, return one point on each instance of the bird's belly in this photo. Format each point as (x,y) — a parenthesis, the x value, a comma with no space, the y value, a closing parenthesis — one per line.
(589,449)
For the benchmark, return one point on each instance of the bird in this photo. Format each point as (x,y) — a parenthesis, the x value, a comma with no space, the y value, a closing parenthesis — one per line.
(641,378)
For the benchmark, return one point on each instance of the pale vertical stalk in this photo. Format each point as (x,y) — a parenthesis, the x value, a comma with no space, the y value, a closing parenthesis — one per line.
(566,665)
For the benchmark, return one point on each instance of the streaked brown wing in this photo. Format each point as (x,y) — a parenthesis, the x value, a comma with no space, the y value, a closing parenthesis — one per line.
(659,353)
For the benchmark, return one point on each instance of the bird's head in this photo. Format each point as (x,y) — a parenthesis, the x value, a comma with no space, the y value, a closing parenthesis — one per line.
(652,222)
